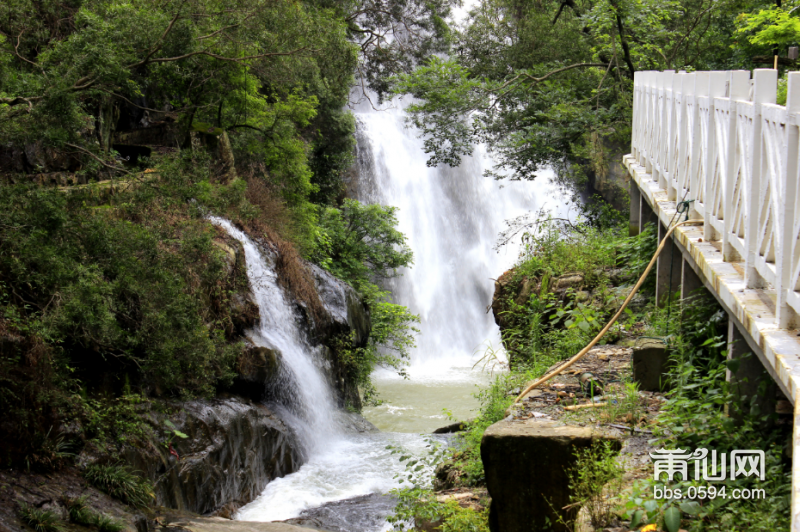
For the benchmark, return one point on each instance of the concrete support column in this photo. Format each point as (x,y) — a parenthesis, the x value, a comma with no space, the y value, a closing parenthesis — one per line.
(669,266)
(646,215)
(636,209)
(690,281)
(753,387)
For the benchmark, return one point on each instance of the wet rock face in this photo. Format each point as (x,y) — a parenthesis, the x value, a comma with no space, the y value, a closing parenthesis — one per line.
(256,369)
(358,514)
(346,311)
(527,465)
(234,448)
(347,317)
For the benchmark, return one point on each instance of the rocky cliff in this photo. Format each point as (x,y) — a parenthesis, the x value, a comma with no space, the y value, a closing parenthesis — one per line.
(234,448)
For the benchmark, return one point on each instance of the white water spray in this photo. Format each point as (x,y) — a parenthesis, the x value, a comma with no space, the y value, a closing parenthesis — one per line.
(452,218)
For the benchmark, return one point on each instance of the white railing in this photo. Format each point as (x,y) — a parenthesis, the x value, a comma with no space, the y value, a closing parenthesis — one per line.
(719,139)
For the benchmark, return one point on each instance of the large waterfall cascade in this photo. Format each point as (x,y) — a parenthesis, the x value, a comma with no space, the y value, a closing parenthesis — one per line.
(451,218)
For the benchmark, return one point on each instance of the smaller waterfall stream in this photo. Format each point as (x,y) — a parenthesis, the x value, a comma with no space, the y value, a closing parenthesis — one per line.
(307,399)
(339,465)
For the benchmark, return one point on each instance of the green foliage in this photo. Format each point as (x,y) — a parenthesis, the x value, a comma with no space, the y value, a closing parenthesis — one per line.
(594,479)
(392,336)
(105,523)
(422,506)
(772,27)
(494,401)
(114,421)
(360,243)
(418,504)
(80,513)
(121,483)
(124,300)
(694,417)
(549,84)
(554,248)
(40,520)
(541,329)
(395,36)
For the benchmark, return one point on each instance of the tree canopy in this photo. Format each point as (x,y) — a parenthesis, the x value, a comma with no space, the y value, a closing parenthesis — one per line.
(547,81)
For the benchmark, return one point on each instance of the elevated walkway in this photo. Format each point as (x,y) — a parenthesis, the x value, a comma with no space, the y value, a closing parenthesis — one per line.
(718,140)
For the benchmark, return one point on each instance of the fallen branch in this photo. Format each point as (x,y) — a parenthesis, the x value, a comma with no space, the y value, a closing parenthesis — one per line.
(588,405)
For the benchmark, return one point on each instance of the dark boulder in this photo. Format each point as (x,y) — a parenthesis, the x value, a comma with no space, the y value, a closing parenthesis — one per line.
(234,448)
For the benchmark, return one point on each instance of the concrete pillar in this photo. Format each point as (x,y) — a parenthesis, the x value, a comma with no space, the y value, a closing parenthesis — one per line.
(690,281)
(669,266)
(749,380)
(646,215)
(636,209)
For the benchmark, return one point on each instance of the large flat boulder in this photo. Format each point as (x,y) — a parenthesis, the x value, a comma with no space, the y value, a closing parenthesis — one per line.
(527,466)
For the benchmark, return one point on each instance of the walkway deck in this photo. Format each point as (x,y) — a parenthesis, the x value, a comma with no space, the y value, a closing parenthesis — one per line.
(720,140)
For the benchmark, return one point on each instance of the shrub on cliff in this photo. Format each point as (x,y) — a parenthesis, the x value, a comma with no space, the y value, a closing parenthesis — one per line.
(361,244)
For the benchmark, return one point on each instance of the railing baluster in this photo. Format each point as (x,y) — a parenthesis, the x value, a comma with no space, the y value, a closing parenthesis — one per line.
(695,181)
(738,89)
(765,86)
(714,179)
(786,238)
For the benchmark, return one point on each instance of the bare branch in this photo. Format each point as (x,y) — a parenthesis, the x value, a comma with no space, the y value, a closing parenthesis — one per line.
(11,102)
(96,158)
(223,58)
(160,40)
(16,52)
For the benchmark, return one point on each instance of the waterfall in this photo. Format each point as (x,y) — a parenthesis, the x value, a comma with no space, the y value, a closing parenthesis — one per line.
(452,218)
(306,401)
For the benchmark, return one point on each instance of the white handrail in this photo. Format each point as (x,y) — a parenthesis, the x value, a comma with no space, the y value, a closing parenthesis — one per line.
(719,139)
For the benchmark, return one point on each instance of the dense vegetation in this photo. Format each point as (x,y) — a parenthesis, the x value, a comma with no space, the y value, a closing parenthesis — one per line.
(702,409)
(118,290)
(550,82)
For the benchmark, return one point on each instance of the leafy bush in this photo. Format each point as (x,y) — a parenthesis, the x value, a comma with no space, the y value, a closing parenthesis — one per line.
(595,478)
(105,523)
(40,520)
(117,296)
(81,514)
(694,417)
(120,482)
(422,507)
(359,243)
(79,511)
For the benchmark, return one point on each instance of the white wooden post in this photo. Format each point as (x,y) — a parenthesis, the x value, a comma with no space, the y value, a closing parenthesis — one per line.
(637,79)
(685,135)
(675,136)
(665,88)
(650,91)
(697,178)
(785,230)
(765,87)
(738,88)
(714,181)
